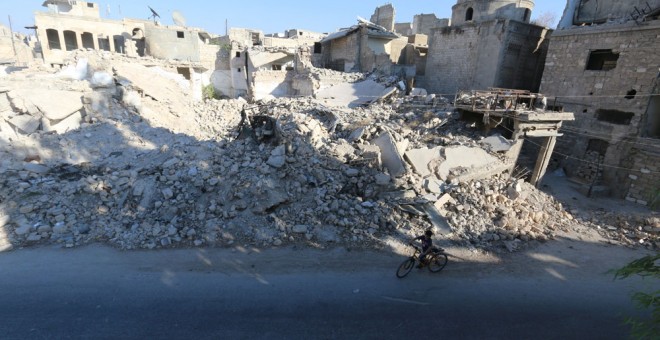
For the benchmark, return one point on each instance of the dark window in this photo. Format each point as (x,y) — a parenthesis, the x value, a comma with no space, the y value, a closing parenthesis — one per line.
(614,116)
(469,14)
(239,70)
(238,54)
(180,35)
(598,145)
(318,48)
(602,60)
(277,67)
(256,39)
(90,5)
(53,39)
(70,40)
(528,15)
(631,94)
(184,71)
(653,118)
(88,40)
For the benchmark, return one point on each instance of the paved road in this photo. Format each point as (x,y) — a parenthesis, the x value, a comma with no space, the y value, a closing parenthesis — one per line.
(98,292)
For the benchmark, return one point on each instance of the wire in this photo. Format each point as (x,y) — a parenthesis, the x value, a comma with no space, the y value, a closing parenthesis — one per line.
(604,136)
(580,159)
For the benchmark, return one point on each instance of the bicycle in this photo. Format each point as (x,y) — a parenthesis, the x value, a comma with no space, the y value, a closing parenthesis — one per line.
(436,260)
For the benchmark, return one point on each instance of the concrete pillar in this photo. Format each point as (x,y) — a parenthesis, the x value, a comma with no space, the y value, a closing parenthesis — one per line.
(111,43)
(544,159)
(96,41)
(518,139)
(60,35)
(79,40)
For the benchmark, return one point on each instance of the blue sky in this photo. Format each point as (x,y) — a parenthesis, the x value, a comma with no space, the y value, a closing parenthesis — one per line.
(268,16)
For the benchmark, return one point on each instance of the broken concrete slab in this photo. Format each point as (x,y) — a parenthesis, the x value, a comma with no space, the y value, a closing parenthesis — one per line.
(440,224)
(63,126)
(390,155)
(433,185)
(472,163)
(53,104)
(497,143)
(351,94)
(25,123)
(420,159)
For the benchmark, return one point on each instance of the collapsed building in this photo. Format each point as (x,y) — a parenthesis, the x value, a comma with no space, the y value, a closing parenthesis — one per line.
(71,25)
(603,65)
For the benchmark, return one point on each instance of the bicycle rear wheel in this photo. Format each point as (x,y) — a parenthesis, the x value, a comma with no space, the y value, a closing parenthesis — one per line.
(438,262)
(405,267)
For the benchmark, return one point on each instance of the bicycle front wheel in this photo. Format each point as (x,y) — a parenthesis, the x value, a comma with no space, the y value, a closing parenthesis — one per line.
(405,268)
(438,262)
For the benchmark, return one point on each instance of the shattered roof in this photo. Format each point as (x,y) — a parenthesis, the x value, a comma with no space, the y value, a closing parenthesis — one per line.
(373,31)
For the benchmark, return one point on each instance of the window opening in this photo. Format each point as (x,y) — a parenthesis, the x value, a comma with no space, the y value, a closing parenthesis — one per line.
(238,54)
(614,116)
(631,94)
(602,60)
(277,67)
(53,39)
(318,48)
(469,14)
(180,34)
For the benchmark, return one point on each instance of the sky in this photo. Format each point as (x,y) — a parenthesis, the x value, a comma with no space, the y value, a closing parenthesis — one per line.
(267,16)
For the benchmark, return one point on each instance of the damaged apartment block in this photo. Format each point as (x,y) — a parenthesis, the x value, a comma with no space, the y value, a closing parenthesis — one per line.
(603,65)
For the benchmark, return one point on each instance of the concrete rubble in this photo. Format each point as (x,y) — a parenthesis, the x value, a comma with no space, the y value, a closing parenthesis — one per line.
(141,166)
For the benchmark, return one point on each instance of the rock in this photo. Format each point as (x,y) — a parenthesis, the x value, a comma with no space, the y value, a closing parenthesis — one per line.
(299,229)
(167,193)
(36,168)
(60,228)
(4,220)
(382,179)
(171,162)
(23,229)
(277,242)
(276,161)
(352,172)
(26,209)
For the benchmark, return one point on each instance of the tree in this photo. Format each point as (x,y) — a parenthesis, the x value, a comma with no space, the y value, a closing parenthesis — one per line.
(546,19)
(646,267)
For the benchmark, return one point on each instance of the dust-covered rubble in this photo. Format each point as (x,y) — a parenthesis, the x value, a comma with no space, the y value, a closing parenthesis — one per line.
(139,173)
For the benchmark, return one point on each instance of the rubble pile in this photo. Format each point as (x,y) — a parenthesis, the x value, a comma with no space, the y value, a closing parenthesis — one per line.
(142,173)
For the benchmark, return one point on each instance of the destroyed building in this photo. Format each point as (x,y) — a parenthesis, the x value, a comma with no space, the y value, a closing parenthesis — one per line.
(361,48)
(71,25)
(603,65)
(13,49)
(489,44)
(253,64)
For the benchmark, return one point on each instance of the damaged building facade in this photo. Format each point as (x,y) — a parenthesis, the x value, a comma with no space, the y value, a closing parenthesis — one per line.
(488,44)
(603,65)
(71,25)
(253,64)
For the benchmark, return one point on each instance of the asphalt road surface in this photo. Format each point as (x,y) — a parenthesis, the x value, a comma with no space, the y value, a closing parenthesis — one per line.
(559,291)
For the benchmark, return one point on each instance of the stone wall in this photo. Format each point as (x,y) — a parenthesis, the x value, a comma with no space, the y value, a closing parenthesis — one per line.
(424,23)
(610,104)
(384,16)
(642,182)
(172,43)
(485,10)
(498,53)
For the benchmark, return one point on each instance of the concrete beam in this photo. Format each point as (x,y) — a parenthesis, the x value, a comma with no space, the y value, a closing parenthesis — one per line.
(543,160)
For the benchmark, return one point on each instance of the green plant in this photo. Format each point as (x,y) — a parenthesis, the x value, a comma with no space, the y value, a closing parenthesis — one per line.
(209,92)
(646,267)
